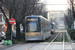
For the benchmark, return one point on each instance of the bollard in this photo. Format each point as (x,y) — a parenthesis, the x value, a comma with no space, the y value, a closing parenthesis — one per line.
(5,42)
(9,42)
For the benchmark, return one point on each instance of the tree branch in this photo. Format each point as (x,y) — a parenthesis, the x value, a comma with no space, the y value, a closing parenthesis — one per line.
(4,14)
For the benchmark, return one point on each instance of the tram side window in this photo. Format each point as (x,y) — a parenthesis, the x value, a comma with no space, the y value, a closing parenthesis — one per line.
(49,26)
(45,28)
(42,26)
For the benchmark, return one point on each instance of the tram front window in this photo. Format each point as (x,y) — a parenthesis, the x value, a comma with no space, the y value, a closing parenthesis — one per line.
(32,26)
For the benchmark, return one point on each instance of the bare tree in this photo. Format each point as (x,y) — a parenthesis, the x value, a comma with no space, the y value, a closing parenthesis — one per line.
(71,14)
(18,9)
(68,19)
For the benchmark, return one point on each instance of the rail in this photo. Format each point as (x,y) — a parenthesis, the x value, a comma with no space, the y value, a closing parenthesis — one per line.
(63,41)
(51,42)
(41,42)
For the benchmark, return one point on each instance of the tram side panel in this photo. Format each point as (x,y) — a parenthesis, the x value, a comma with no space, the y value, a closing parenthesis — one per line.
(45,30)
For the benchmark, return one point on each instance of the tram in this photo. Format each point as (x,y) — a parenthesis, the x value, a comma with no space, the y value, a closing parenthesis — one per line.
(52,27)
(37,28)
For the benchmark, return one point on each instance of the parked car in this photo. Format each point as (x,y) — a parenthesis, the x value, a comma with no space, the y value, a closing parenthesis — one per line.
(0,37)
(21,30)
(3,36)
(14,34)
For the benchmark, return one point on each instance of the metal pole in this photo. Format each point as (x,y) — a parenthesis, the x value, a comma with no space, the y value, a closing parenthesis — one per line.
(11,32)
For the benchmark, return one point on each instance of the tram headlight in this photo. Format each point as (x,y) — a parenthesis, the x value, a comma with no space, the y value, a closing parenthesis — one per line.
(26,34)
(39,33)
(52,29)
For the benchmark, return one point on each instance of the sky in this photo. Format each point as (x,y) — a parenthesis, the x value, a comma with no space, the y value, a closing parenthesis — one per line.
(56,5)
(53,6)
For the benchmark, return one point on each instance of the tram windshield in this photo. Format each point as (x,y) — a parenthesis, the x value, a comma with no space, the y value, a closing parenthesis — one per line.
(51,26)
(32,25)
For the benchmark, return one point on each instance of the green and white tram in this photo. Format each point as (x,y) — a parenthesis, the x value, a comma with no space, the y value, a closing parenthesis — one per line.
(37,28)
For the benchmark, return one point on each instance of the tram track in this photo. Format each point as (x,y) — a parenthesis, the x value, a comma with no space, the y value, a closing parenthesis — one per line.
(32,46)
(41,42)
(51,42)
(26,43)
(63,43)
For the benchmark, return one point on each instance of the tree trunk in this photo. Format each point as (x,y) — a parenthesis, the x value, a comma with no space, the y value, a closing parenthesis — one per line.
(18,35)
(8,32)
(69,26)
(23,24)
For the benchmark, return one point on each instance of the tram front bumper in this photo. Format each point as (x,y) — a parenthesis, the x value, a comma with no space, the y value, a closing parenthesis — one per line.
(28,38)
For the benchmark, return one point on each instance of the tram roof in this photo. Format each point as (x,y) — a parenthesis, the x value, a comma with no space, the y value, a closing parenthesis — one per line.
(40,16)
